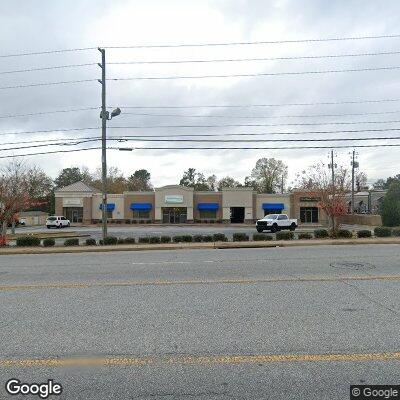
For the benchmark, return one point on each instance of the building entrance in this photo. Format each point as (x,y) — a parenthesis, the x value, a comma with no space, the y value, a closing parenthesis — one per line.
(237,215)
(74,214)
(309,214)
(174,215)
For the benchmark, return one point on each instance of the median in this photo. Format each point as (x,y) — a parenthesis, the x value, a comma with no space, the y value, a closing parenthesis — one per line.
(33,244)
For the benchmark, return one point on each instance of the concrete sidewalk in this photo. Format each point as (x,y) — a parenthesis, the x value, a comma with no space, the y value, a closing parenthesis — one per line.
(188,246)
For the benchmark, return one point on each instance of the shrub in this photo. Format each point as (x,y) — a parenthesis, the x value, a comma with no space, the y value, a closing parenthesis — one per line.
(396,231)
(343,234)
(91,242)
(110,240)
(187,238)
(240,237)
(220,237)
(305,235)
(121,241)
(177,239)
(208,238)
(197,238)
(144,239)
(71,242)
(154,239)
(165,239)
(321,233)
(130,240)
(382,231)
(365,233)
(49,242)
(257,237)
(28,241)
(282,235)
(390,207)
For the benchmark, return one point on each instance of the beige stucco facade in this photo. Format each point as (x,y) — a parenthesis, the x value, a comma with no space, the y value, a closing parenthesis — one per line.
(271,199)
(237,197)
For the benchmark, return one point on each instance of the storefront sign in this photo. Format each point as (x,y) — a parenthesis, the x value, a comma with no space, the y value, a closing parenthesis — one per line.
(174,199)
(72,202)
(310,199)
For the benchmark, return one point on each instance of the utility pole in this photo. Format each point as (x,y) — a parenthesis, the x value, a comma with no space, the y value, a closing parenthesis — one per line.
(333,169)
(282,182)
(103,143)
(353,166)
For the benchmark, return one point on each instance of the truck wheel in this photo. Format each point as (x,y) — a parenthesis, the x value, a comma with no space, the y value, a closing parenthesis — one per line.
(259,230)
(293,227)
(274,228)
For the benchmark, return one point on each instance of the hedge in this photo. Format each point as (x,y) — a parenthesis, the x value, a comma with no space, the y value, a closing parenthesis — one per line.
(382,231)
(130,240)
(305,235)
(187,238)
(110,240)
(365,233)
(396,231)
(208,238)
(177,239)
(49,242)
(220,237)
(144,239)
(284,235)
(197,238)
(71,242)
(154,239)
(257,237)
(31,241)
(240,237)
(91,242)
(121,241)
(165,239)
(321,233)
(343,234)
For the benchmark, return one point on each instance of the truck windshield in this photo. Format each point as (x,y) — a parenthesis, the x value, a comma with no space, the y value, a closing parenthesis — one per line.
(271,216)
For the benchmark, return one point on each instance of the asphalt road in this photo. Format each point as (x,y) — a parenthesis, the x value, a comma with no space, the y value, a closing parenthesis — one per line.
(276,323)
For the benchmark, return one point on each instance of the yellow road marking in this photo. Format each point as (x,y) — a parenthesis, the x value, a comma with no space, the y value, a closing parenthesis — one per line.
(198,360)
(197,282)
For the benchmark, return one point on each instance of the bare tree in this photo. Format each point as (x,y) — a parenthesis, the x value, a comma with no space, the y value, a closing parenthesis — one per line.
(332,195)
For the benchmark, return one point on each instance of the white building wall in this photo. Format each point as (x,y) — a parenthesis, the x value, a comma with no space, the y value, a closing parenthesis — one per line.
(117,199)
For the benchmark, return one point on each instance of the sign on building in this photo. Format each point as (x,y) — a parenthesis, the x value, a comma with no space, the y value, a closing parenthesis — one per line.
(173,199)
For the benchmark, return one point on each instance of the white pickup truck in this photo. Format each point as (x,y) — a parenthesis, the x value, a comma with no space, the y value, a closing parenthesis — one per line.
(276,222)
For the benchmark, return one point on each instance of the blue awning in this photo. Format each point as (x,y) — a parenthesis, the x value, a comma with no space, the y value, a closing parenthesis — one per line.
(141,206)
(110,206)
(273,206)
(208,206)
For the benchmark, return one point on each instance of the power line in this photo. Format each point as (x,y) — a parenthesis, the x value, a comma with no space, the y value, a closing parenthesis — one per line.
(267,105)
(261,148)
(47,68)
(35,53)
(50,152)
(77,142)
(48,112)
(202,134)
(47,84)
(217,60)
(253,43)
(255,74)
(262,116)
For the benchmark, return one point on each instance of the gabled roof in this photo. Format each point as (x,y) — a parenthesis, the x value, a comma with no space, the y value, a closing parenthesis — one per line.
(78,187)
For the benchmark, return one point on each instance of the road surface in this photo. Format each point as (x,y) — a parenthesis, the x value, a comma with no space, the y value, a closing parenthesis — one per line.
(292,323)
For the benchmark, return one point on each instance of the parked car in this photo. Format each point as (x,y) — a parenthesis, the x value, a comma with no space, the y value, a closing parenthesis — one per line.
(276,222)
(57,222)
(22,221)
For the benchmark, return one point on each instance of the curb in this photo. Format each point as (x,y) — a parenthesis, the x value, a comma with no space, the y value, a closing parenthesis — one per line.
(191,246)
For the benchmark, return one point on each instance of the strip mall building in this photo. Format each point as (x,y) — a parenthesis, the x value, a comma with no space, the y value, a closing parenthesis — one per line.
(176,204)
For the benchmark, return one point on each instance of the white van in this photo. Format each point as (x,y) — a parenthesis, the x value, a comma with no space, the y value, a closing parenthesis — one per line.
(57,222)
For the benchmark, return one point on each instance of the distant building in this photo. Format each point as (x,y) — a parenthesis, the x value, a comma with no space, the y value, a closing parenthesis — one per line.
(31,218)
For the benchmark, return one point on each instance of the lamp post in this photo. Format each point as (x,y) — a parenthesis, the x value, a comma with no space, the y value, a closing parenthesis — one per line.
(105,116)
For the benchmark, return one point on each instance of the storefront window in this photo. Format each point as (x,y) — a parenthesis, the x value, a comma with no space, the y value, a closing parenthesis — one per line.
(309,214)
(208,214)
(141,214)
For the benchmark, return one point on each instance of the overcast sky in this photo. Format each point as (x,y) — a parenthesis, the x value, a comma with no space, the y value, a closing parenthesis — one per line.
(29,26)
